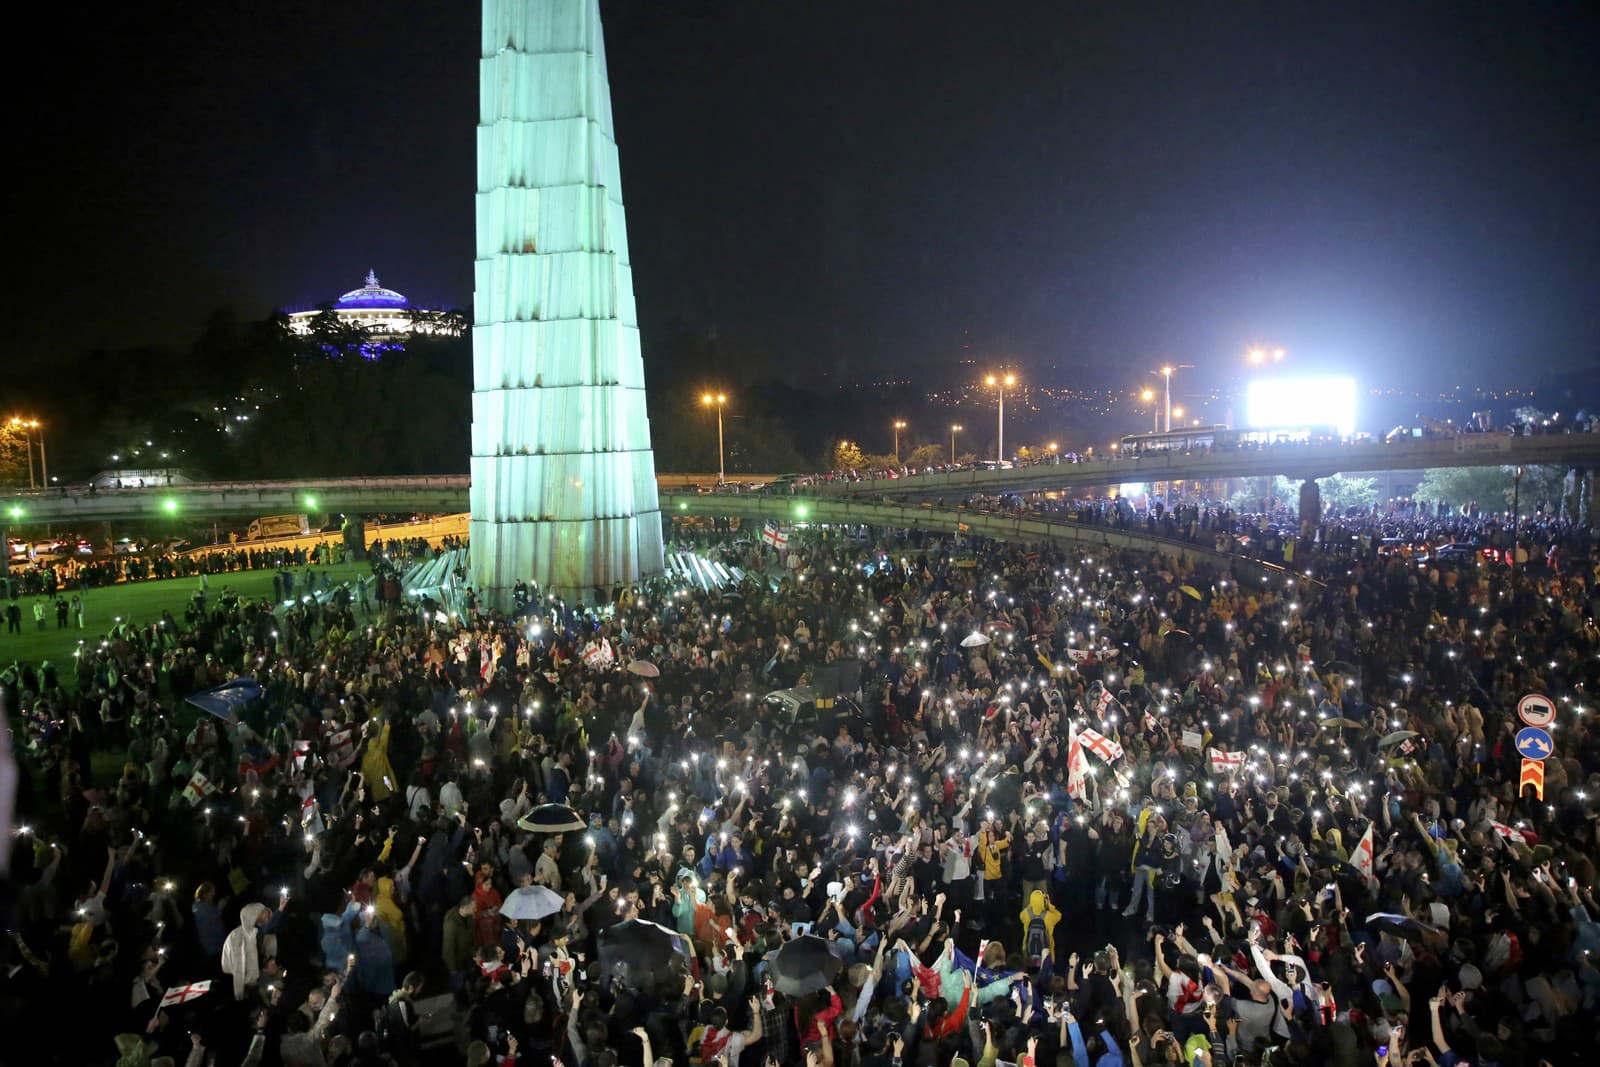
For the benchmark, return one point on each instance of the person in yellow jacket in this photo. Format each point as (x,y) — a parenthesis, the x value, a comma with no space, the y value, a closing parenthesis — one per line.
(376,772)
(1039,920)
(989,849)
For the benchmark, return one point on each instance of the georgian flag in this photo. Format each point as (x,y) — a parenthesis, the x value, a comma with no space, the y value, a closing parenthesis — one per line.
(342,746)
(1509,833)
(1101,745)
(1361,857)
(1077,764)
(1225,762)
(775,535)
(599,656)
(182,994)
(198,789)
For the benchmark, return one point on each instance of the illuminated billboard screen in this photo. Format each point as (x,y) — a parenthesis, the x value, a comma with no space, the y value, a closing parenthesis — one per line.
(1303,404)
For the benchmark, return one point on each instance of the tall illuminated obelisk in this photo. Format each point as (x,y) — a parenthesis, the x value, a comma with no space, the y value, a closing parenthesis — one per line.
(563,479)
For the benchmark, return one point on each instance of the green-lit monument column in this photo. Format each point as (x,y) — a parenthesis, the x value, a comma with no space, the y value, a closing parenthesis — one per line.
(563,479)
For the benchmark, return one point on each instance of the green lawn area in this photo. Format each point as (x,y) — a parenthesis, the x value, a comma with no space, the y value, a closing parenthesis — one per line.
(138,603)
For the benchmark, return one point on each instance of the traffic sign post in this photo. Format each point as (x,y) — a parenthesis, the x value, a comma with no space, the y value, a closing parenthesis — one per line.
(1536,709)
(1532,775)
(1535,744)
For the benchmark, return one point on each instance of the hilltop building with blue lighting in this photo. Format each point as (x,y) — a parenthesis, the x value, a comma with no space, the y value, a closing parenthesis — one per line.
(383,313)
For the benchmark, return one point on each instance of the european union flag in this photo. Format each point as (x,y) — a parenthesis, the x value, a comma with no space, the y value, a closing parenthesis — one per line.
(225,701)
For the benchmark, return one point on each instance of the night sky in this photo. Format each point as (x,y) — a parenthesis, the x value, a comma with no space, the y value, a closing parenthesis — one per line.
(871,189)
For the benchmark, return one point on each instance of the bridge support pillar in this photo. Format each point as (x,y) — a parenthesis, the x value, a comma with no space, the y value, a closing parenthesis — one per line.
(1310,507)
(354,532)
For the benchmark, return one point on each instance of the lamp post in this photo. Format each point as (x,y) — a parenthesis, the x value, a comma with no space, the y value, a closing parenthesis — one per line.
(1000,383)
(1516,511)
(718,399)
(899,424)
(1149,397)
(27,426)
(955,428)
(1166,378)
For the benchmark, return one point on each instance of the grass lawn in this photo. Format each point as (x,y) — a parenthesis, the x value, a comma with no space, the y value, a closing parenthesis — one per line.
(139,603)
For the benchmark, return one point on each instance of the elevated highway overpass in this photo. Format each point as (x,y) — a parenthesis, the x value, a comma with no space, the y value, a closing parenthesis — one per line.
(440,493)
(1000,526)
(448,494)
(1580,451)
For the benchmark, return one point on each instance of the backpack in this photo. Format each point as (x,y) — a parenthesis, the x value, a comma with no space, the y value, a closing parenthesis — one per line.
(1036,939)
(395,1024)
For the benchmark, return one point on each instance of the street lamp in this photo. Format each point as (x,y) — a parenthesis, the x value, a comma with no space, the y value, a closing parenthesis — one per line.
(1260,356)
(718,399)
(899,424)
(27,426)
(1166,373)
(1176,413)
(1000,383)
(1166,378)
(1149,397)
(955,428)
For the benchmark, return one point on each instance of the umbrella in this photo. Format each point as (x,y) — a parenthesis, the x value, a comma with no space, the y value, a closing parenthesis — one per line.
(641,954)
(644,669)
(1390,740)
(1341,723)
(531,902)
(1339,666)
(1390,923)
(1189,591)
(974,640)
(998,624)
(551,819)
(804,965)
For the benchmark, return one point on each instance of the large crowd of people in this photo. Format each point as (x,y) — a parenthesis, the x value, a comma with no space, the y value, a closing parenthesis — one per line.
(887,802)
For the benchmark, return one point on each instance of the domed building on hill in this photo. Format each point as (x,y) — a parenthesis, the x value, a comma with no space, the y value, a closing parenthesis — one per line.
(379,311)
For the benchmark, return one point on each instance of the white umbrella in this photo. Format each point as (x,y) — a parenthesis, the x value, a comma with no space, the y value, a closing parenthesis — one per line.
(644,669)
(973,640)
(531,902)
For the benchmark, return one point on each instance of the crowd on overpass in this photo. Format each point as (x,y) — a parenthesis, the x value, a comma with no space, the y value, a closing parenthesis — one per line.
(1034,807)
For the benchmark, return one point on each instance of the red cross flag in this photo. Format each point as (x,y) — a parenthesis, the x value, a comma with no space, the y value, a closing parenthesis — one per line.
(1101,745)
(1361,857)
(198,789)
(1225,762)
(182,994)
(342,746)
(1509,833)
(1077,764)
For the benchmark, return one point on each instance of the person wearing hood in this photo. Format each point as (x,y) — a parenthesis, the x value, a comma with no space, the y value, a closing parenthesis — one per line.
(1039,920)
(338,942)
(241,956)
(374,969)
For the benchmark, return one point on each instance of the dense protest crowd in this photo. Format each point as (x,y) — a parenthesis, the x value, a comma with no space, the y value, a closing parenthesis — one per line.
(56,576)
(1004,805)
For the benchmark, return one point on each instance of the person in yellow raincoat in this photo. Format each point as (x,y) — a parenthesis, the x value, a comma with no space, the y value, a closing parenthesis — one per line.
(376,772)
(1039,920)
(390,915)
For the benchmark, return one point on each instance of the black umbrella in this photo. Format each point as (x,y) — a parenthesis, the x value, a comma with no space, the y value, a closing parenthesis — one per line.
(643,956)
(804,965)
(552,819)
(1398,925)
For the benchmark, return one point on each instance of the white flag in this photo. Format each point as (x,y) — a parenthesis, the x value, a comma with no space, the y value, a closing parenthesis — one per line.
(1077,764)
(182,994)
(1361,857)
